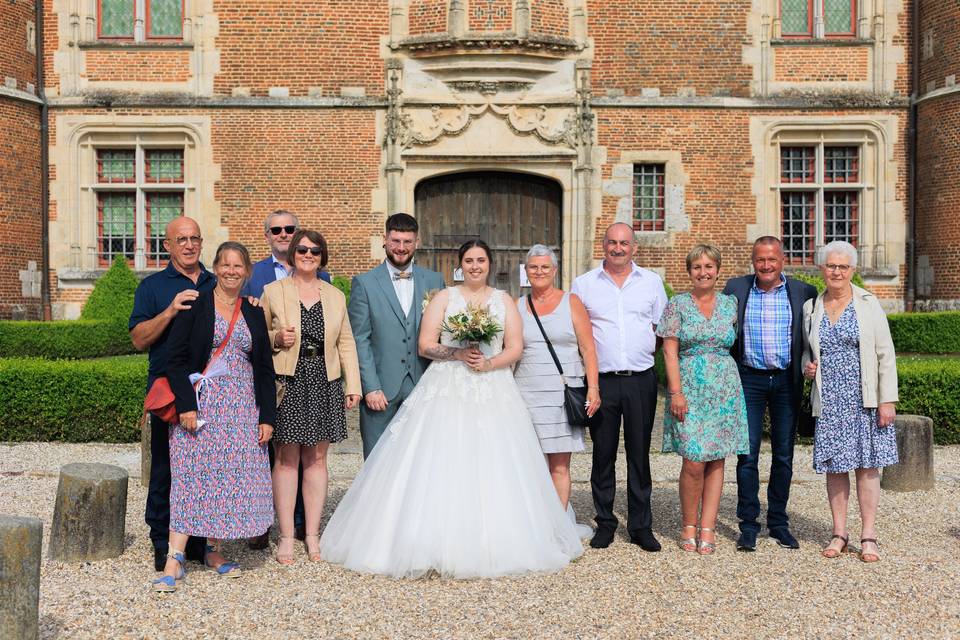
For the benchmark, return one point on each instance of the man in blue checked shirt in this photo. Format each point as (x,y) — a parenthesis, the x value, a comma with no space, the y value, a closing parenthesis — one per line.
(768,351)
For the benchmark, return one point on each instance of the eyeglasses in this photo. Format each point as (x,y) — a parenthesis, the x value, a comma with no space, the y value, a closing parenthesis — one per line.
(539,268)
(182,241)
(288,229)
(302,250)
(842,268)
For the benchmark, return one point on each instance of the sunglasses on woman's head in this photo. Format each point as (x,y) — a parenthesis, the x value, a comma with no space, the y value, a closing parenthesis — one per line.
(290,229)
(302,250)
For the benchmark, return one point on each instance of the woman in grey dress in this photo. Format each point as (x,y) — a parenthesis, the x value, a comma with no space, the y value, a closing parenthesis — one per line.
(566,323)
(850,357)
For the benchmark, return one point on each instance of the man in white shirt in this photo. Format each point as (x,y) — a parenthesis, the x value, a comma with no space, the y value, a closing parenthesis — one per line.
(624,303)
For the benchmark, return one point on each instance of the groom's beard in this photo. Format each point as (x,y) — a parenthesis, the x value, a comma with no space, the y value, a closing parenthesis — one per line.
(400,265)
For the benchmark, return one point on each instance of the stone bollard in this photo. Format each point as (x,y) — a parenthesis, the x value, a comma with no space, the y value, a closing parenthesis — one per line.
(90,513)
(145,451)
(20,540)
(914,472)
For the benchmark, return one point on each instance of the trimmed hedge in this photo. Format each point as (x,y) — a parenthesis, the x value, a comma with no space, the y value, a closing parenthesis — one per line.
(934,332)
(817,280)
(343,283)
(112,295)
(82,401)
(70,339)
(929,387)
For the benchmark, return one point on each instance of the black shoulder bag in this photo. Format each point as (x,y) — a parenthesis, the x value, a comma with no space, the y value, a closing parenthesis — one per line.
(574,398)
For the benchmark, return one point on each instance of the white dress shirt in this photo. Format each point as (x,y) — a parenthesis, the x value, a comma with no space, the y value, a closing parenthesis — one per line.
(623,318)
(404,288)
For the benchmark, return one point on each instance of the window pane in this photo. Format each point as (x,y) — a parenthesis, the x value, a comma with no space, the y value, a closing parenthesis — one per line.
(115,165)
(841,164)
(798,164)
(840,216)
(116,232)
(797,212)
(166,18)
(162,207)
(648,197)
(794,16)
(164,165)
(116,18)
(837,16)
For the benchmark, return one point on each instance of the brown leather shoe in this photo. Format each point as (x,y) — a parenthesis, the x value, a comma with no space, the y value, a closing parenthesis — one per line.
(259,543)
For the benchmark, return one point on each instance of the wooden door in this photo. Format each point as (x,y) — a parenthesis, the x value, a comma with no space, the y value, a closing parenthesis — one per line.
(509,211)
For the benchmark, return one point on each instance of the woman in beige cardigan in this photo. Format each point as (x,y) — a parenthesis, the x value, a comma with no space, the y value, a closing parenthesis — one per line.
(315,359)
(850,357)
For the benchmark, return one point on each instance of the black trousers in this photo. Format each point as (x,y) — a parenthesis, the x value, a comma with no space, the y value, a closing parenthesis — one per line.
(157,515)
(632,400)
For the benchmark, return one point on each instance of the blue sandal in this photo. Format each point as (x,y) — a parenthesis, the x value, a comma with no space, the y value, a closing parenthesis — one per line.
(224,569)
(168,584)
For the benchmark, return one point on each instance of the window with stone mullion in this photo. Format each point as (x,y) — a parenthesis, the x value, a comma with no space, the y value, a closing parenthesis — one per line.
(802,17)
(140,19)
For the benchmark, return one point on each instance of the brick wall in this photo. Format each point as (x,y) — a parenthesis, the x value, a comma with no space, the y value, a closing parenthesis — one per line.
(427,16)
(938,183)
(550,17)
(19,203)
(278,43)
(718,159)
(490,15)
(671,44)
(138,66)
(15,61)
(822,64)
(941,20)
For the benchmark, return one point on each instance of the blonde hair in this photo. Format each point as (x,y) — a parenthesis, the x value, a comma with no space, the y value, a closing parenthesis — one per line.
(701,250)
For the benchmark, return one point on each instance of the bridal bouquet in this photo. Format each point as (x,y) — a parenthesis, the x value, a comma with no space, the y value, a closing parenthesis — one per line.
(472,325)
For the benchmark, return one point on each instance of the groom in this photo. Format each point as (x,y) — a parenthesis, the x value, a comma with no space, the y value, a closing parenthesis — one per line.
(385,310)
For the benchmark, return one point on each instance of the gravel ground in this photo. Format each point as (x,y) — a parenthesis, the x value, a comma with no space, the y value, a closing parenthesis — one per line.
(617,592)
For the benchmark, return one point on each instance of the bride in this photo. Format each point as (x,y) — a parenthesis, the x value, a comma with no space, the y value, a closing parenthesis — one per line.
(457,484)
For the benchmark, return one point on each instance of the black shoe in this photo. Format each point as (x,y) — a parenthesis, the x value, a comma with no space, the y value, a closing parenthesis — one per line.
(644,538)
(259,543)
(300,532)
(784,538)
(159,559)
(747,540)
(602,538)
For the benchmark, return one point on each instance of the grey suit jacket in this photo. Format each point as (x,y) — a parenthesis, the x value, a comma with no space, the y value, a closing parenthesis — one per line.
(386,338)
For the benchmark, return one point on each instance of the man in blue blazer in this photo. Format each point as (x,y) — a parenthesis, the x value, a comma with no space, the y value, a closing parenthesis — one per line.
(768,352)
(278,230)
(386,305)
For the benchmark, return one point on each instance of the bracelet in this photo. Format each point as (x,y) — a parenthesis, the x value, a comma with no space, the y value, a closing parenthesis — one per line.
(676,393)
(593,388)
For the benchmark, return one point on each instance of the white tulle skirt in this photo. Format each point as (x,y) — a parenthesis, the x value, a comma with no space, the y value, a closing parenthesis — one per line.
(457,485)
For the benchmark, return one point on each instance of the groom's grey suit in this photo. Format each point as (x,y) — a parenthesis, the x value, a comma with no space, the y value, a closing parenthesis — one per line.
(387,342)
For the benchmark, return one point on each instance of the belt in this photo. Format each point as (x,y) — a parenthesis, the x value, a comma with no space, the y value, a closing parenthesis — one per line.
(763,372)
(624,373)
(310,351)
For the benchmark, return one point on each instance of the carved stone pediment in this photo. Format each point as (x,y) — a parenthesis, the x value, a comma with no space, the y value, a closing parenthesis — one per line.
(506,42)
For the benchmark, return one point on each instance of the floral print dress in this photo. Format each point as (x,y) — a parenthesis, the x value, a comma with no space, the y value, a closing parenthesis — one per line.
(716,420)
(220,475)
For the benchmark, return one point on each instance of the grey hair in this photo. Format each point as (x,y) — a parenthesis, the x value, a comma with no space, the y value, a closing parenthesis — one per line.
(539,250)
(837,246)
(279,212)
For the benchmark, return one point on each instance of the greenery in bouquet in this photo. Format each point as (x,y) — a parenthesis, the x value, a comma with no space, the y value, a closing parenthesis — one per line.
(474,324)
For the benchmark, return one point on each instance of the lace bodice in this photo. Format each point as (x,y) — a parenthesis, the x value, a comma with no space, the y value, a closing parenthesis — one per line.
(456,303)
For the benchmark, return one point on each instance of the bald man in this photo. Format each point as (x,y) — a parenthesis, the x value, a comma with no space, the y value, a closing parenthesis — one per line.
(158,300)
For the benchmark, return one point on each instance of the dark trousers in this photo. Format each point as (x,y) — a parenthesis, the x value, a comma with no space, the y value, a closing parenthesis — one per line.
(763,391)
(374,423)
(299,519)
(632,399)
(157,515)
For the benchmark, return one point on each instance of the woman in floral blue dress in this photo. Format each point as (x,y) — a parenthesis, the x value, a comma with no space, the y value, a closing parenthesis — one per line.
(706,417)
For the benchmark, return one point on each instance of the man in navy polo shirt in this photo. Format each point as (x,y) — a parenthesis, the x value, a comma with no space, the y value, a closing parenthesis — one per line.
(158,300)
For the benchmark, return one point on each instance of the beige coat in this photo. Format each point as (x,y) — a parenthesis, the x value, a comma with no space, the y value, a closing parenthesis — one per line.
(878,362)
(281,305)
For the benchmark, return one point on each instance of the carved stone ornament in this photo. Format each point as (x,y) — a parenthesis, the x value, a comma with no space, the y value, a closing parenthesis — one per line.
(422,127)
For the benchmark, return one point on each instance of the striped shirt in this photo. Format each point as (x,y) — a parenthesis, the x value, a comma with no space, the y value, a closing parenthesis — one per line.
(767,324)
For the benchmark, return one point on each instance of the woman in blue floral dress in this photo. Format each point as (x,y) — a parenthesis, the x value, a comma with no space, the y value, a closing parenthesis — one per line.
(706,417)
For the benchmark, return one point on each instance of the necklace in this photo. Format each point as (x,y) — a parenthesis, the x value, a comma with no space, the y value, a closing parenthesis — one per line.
(223,297)
(477,295)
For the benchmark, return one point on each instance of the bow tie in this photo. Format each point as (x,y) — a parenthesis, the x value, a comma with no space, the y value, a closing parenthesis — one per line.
(402,275)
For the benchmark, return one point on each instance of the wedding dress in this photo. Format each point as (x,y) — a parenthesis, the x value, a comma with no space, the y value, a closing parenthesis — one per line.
(457,484)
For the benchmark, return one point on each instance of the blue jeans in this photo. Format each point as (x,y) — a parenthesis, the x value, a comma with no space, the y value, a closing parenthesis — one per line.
(761,391)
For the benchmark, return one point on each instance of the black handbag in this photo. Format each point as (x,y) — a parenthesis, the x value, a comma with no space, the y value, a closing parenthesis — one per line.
(806,423)
(574,398)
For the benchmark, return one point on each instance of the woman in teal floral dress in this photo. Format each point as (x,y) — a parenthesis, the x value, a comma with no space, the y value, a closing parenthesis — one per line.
(706,418)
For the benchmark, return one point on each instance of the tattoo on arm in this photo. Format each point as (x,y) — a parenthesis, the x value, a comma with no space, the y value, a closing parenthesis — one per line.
(440,352)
